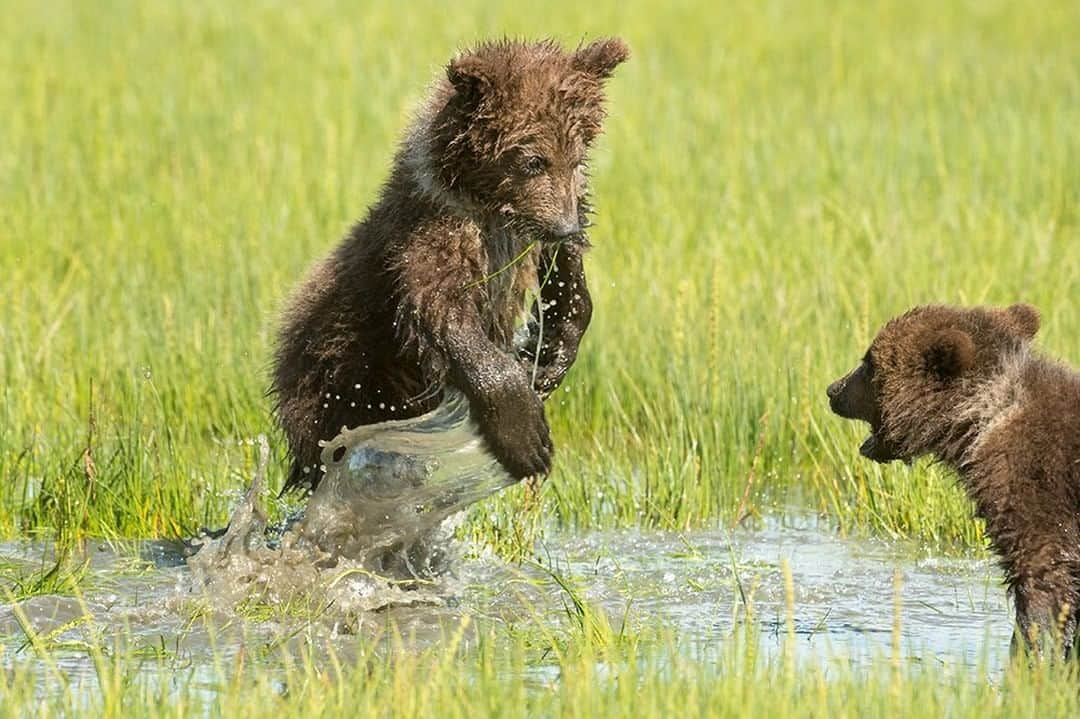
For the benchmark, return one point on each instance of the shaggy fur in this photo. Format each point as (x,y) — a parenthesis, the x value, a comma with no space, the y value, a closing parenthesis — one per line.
(486,199)
(965,386)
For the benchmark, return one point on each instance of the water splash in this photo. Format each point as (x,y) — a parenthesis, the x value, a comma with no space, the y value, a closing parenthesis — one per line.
(378,529)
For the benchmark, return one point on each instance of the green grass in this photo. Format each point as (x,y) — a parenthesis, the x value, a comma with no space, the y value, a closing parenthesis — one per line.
(590,670)
(776,180)
(59,576)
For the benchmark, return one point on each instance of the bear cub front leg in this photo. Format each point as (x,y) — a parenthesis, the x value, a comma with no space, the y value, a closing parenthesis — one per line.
(559,319)
(510,414)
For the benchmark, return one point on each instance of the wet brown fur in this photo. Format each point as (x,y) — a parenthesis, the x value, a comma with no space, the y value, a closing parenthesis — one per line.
(424,292)
(964,385)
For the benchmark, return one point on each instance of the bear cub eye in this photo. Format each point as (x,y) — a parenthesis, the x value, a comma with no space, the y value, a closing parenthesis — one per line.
(534,165)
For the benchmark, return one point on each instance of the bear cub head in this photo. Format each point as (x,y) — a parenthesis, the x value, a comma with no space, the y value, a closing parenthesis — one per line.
(920,384)
(512,129)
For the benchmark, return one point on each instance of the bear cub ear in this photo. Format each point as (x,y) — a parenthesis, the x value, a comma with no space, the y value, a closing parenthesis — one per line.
(600,58)
(949,353)
(1022,319)
(469,74)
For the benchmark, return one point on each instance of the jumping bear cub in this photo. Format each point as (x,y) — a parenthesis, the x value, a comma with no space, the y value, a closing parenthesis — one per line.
(484,208)
(964,385)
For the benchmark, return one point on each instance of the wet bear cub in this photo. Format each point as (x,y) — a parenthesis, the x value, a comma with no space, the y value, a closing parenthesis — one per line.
(964,385)
(485,208)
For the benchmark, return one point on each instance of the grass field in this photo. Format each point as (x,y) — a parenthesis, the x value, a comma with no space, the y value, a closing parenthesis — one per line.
(776,180)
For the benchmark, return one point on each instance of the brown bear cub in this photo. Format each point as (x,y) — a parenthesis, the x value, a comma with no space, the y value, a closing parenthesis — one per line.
(485,208)
(965,386)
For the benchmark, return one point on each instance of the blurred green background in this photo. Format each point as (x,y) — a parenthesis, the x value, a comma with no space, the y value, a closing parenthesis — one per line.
(776,180)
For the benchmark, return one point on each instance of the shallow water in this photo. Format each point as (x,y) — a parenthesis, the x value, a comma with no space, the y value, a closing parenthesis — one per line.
(951,610)
(374,551)
(846,591)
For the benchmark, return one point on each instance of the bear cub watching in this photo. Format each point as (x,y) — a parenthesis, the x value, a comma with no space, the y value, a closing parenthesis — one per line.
(484,208)
(965,385)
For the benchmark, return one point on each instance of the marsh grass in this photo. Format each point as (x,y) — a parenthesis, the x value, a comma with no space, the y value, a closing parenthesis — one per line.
(60,576)
(776,180)
(573,671)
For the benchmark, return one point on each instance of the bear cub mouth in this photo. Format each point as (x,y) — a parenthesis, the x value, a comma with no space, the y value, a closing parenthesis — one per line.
(869,447)
(879,449)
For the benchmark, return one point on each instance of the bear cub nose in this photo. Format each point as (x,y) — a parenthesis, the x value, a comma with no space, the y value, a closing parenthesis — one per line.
(833,392)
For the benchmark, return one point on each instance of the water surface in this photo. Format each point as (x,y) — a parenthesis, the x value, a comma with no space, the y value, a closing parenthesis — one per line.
(373,555)
(695,585)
